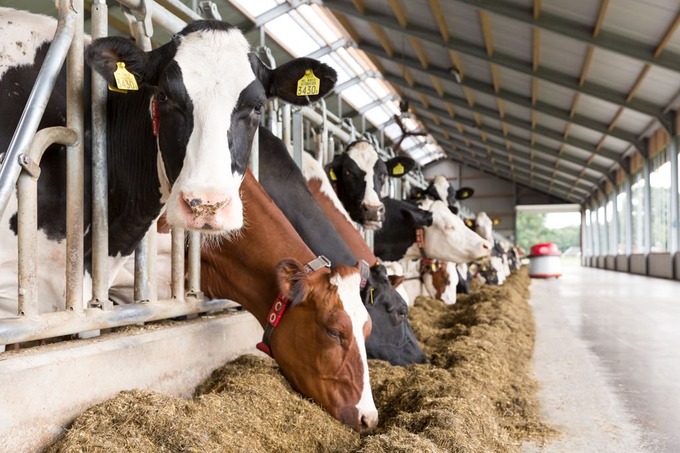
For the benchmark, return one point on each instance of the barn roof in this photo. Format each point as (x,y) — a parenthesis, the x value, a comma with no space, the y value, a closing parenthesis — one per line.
(553,95)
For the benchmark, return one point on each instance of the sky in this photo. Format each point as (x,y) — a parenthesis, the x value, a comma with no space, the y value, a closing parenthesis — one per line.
(555,220)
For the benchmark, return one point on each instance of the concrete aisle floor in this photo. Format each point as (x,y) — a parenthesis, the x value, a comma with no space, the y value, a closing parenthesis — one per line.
(607,358)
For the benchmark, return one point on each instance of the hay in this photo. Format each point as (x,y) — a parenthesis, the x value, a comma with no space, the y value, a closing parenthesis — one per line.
(474,396)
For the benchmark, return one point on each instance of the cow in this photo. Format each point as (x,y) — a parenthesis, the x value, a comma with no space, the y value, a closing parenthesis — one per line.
(446,237)
(284,182)
(392,338)
(440,189)
(181,140)
(358,176)
(497,269)
(319,342)
(427,277)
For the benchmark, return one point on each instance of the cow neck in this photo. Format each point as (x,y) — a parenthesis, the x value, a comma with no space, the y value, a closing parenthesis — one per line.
(427,265)
(345,229)
(280,305)
(131,159)
(282,179)
(244,269)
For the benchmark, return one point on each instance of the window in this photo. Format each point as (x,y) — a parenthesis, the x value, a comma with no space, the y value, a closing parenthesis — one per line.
(611,228)
(602,231)
(638,214)
(588,243)
(660,184)
(622,211)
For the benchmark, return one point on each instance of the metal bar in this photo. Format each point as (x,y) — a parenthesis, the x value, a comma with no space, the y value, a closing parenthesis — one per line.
(143,260)
(36,104)
(674,239)
(180,8)
(75,159)
(285,124)
(161,16)
(177,259)
(27,214)
(100,209)
(297,137)
(49,325)
(194,263)
(316,118)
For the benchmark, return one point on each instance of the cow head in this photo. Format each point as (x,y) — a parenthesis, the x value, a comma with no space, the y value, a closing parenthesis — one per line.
(320,342)
(202,94)
(483,225)
(441,189)
(392,339)
(441,282)
(449,239)
(359,175)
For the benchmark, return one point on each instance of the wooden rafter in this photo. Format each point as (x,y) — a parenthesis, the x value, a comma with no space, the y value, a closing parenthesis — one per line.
(383,39)
(486,32)
(438,15)
(399,13)
(638,82)
(437,84)
(600,18)
(420,52)
(667,36)
(536,47)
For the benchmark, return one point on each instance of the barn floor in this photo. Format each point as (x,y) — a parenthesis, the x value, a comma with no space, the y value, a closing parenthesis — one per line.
(607,358)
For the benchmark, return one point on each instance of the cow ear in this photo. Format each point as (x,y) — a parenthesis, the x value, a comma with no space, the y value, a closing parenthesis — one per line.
(496,221)
(399,166)
(292,280)
(396,280)
(105,56)
(333,169)
(464,193)
(301,81)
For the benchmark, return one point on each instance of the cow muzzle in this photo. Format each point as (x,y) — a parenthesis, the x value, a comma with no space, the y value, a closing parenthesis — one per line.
(374,215)
(212,215)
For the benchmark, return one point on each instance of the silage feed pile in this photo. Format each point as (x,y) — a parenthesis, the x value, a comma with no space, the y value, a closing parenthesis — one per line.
(474,396)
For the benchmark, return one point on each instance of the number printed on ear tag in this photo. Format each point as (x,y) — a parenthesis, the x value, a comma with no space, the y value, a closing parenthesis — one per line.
(124,80)
(309,84)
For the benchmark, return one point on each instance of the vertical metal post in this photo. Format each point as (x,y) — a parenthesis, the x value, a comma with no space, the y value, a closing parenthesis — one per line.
(647,207)
(100,220)
(177,258)
(339,106)
(255,155)
(629,214)
(297,137)
(614,245)
(75,162)
(674,231)
(194,262)
(285,124)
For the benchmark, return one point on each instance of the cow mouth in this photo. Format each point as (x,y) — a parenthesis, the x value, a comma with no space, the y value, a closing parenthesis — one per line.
(373,225)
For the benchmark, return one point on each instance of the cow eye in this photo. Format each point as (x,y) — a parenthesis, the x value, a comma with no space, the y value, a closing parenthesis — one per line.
(161,96)
(334,333)
(257,108)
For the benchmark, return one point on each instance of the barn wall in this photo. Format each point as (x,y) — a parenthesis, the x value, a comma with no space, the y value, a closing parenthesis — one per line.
(493,195)
(43,391)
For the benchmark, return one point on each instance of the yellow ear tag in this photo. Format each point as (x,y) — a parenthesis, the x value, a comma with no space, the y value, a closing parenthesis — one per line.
(332,174)
(309,84)
(398,170)
(124,80)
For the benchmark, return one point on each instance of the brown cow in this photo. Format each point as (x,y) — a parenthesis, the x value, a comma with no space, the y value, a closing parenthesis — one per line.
(319,342)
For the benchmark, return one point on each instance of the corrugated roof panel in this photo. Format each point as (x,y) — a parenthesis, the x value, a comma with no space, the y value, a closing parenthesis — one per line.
(614,70)
(597,109)
(603,162)
(519,132)
(583,133)
(555,95)
(615,144)
(644,21)
(515,82)
(511,38)
(516,110)
(582,11)
(552,123)
(462,21)
(576,153)
(592,173)
(660,86)
(563,55)
(635,122)
(570,166)
(475,68)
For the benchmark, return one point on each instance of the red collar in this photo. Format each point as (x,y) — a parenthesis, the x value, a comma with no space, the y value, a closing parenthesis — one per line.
(281,303)
(155,117)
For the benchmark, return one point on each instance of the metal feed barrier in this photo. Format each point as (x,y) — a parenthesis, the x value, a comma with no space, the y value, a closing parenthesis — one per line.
(311,128)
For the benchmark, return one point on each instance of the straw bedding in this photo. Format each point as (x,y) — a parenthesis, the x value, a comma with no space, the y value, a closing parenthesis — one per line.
(474,396)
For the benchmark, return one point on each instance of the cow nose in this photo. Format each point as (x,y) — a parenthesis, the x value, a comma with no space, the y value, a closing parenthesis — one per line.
(369,420)
(202,206)
(374,211)
(486,246)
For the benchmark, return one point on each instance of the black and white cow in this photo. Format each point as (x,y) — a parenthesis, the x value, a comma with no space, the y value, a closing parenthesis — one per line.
(391,337)
(181,140)
(358,176)
(441,189)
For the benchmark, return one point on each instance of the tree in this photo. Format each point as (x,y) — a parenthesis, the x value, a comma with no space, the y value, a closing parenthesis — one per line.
(531,230)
